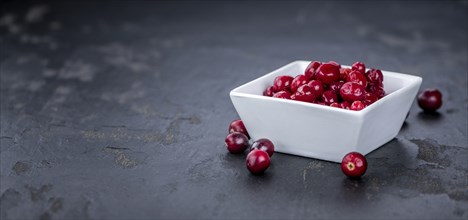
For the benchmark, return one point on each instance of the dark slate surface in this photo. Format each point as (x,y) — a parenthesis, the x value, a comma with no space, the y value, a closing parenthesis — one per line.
(119,109)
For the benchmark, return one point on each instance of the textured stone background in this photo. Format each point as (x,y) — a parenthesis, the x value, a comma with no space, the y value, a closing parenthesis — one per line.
(119,109)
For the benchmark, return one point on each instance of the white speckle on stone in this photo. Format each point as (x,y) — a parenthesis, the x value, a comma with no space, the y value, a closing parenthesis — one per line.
(123,56)
(36,85)
(78,69)
(49,73)
(55,25)
(63,90)
(7,19)
(36,13)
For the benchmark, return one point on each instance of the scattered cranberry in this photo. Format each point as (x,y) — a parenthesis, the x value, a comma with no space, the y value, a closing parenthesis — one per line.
(358,78)
(238,126)
(312,69)
(329,97)
(268,91)
(374,76)
(358,66)
(282,83)
(328,73)
(354,164)
(263,144)
(317,87)
(351,92)
(357,106)
(282,95)
(299,80)
(336,64)
(236,142)
(430,100)
(258,161)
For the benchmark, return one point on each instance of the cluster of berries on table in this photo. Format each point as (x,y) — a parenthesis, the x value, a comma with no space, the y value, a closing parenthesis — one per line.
(332,85)
(261,150)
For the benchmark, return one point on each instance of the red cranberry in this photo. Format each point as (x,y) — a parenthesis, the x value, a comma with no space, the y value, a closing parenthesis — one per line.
(299,80)
(328,73)
(312,69)
(344,73)
(357,77)
(317,87)
(354,164)
(358,66)
(374,76)
(258,161)
(336,86)
(282,95)
(329,97)
(304,94)
(357,106)
(336,105)
(370,98)
(430,100)
(351,92)
(236,142)
(376,89)
(334,63)
(268,91)
(265,145)
(282,83)
(238,126)
(344,105)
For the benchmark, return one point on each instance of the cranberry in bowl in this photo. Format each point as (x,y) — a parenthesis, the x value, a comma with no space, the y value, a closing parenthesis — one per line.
(318,130)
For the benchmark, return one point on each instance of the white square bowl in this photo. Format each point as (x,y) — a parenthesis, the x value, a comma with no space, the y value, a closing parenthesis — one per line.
(323,132)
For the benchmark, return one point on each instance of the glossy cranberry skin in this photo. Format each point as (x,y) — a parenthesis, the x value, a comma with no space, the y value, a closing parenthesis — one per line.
(335,104)
(282,83)
(358,78)
(374,76)
(298,81)
(328,73)
(329,97)
(304,94)
(354,164)
(336,86)
(282,95)
(358,66)
(430,100)
(268,91)
(351,92)
(345,105)
(238,126)
(236,142)
(263,144)
(344,73)
(317,87)
(335,64)
(376,89)
(312,69)
(257,161)
(370,98)
(357,106)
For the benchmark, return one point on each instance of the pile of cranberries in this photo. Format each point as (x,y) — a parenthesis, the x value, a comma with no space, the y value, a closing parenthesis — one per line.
(329,84)
(261,150)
